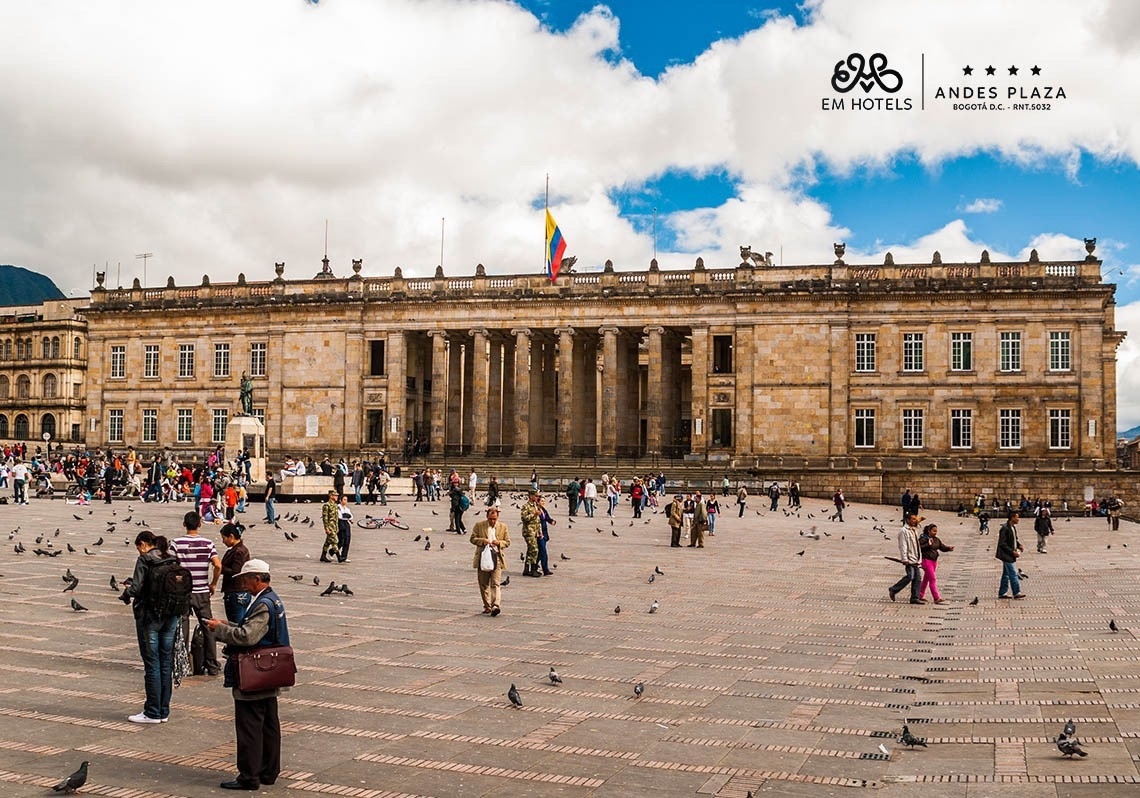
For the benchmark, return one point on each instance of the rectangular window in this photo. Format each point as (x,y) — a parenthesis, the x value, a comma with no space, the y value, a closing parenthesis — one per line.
(961,429)
(257,360)
(864,428)
(1060,352)
(118,362)
(1009,429)
(221,418)
(961,351)
(376,358)
(150,426)
(721,427)
(186,360)
(115,426)
(1010,351)
(865,353)
(221,360)
(1060,429)
(912,428)
(150,361)
(185,429)
(259,414)
(722,354)
(913,352)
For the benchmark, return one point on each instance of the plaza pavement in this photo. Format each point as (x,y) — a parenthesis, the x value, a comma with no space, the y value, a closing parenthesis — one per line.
(763,670)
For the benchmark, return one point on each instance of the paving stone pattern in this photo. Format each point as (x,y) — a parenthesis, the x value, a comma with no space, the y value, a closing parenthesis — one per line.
(764,670)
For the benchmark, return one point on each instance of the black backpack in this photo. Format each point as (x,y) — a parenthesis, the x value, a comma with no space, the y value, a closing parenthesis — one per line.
(169,586)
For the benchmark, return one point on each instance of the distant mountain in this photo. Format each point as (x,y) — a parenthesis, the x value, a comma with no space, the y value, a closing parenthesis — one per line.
(1128,434)
(18,286)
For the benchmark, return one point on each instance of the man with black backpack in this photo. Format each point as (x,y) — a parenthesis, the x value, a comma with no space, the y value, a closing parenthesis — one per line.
(197,554)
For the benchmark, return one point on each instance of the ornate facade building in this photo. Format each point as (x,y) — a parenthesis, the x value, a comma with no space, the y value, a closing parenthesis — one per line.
(43,364)
(968,361)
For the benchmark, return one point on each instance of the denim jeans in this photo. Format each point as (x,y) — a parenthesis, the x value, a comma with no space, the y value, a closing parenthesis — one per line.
(270,511)
(156,645)
(912,578)
(236,603)
(1009,579)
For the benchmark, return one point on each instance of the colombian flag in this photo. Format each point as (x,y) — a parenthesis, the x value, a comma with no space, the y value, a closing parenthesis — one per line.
(555,247)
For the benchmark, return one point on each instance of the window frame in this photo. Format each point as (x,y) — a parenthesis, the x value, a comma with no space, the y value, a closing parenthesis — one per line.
(914,352)
(961,351)
(1060,350)
(184,425)
(149,425)
(864,422)
(1060,428)
(866,353)
(910,419)
(257,363)
(115,425)
(152,361)
(117,369)
(961,428)
(1009,350)
(186,364)
(1009,433)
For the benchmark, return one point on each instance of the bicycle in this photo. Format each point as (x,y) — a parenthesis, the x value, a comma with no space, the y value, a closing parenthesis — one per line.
(368,522)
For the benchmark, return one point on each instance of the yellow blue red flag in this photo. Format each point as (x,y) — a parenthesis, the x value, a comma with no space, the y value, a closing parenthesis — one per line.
(555,247)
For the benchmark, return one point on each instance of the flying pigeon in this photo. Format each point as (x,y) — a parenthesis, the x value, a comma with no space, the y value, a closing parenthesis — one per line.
(553,676)
(638,689)
(75,605)
(513,695)
(72,783)
(909,740)
(71,585)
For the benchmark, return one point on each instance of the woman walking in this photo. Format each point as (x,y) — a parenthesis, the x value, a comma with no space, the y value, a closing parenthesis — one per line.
(931,545)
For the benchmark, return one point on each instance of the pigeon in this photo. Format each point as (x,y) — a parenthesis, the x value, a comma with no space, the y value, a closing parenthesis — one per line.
(657,570)
(53,553)
(1070,728)
(427,545)
(506,581)
(1112,625)
(513,695)
(638,689)
(68,576)
(296,577)
(615,534)
(417,538)
(77,517)
(72,783)
(653,607)
(330,589)
(344,589)
(114,583)
(389,553)
(71,585)
(800,553)
(553,676)
(287,538)
(563,556)
(441,545)
(617,610)
(652,578)
(909,740)
(75,605)
(974,603)
(89,553)
(1070,747)
(1022,574)
(99,542)
(317,580)
(70,549)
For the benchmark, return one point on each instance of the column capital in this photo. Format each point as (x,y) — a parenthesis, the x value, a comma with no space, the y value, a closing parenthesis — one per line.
(654,329)
(436,333)
(560,331)
(517,331)
(478,331)
(608,329)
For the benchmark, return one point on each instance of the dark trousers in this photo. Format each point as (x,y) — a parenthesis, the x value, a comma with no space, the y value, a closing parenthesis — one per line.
(675,542)
(200,608)
(258,731)
(344,533)
(913,578)
(741,510)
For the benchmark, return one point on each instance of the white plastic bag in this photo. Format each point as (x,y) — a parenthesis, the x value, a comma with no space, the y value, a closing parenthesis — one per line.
(487,559)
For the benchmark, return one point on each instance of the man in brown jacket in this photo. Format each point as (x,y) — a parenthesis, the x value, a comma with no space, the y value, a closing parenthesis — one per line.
(676,519)
(493,533)
(700,522)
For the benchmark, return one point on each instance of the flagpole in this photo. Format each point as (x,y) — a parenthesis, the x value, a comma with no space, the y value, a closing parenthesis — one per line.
(442,220)
(546,209)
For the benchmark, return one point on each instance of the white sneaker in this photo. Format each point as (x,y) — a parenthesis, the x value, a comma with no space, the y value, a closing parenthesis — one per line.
(143,718)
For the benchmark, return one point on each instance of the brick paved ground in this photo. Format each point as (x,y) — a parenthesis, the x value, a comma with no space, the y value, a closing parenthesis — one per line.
(763,671)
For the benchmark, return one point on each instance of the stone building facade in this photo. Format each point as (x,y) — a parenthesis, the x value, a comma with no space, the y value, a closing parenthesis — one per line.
(969,361)
(43,364)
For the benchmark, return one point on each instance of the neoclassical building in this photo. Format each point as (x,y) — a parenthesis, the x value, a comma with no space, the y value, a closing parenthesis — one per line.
(43,364)
(924,360)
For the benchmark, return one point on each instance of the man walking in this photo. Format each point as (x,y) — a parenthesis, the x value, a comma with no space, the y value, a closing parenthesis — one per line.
(1008,550)
(741,499)
(1043,526)
(531,529)
(197,554)
(911,556)
(330,520)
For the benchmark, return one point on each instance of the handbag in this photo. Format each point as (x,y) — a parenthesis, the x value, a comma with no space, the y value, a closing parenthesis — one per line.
(487,559)
(266,668)
(181,659)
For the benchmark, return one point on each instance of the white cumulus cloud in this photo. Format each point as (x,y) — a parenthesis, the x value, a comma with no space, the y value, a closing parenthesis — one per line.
(982,205)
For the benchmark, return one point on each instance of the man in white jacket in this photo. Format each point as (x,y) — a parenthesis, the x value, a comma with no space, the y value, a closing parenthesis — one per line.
(911,556)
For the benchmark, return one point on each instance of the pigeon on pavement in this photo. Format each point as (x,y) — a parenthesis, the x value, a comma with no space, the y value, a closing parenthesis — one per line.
(1112,625)
(330,589)
(638,689)
(1070,728)
(513,695)
(75,605)
(909,740)
(72,783)
(974,603)
(1070,747)
(653,607)
(553,676)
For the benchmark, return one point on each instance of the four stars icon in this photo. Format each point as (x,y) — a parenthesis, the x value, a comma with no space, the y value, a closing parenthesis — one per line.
(990,70)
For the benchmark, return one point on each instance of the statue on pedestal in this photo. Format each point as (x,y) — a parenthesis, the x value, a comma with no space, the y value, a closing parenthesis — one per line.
(246,395)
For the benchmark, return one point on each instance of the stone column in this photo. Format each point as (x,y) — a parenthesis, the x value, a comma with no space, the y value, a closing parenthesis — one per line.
(438,390)
(495,395)
(543,400)
(653,405)
(466,409)
(520,398)
(480,379)
(700,393)
(453,395)
(743,357)
(395,352)
(628,395)
(585,402)
(610,415)
(564,437)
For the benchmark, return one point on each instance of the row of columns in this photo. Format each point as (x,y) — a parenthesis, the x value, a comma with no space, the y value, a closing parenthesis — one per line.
(528,390)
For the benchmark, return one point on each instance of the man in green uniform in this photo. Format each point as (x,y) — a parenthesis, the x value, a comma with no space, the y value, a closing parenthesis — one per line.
(531,529)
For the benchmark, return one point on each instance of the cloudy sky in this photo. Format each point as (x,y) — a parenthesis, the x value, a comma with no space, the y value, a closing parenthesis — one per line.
(221,136)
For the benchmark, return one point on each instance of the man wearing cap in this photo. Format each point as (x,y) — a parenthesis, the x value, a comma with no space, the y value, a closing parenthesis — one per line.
(910,555)
(256,721)
(493,533)
(531,529)
(330,520)
(676,520)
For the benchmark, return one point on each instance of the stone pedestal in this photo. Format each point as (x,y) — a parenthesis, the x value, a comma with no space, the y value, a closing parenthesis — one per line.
(246,432)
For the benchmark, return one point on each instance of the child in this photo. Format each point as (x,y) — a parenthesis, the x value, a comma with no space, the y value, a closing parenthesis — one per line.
(983,523)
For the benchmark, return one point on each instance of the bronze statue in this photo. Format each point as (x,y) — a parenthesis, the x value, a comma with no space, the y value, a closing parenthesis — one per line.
(246,396)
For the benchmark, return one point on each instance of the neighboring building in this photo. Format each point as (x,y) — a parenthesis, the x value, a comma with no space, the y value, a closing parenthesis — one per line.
(43,364)
(970,361)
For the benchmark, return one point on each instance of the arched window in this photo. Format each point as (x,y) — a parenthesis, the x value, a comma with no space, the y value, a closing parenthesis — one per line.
(23,387)
(3,426)
(47,425)
(55,347)
(47,347)
(22,428)
(76,348)
(5,387)
(50,386)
